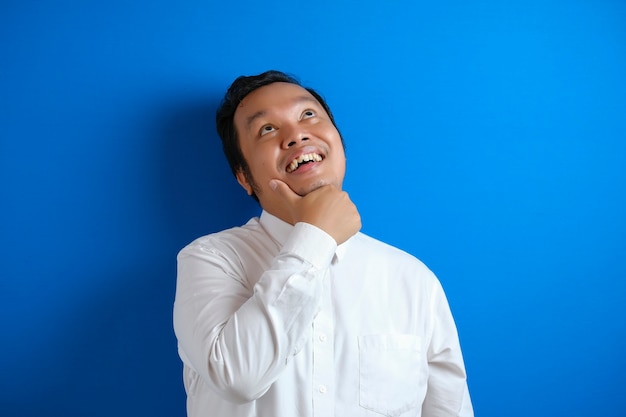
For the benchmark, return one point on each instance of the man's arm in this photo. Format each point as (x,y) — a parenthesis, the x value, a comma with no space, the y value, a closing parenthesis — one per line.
(240,340)
(447,394)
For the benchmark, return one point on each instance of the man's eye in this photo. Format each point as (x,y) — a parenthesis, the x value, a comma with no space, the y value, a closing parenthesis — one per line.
(308,114)
(266,129)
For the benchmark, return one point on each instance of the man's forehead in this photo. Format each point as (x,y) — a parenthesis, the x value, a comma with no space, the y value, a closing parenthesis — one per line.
(274,92)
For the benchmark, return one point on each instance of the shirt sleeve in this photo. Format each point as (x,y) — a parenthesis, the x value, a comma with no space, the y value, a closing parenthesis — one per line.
(447,393)
(240,339)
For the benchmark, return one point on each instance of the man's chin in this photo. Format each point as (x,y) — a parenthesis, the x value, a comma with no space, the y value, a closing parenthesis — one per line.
(304,190)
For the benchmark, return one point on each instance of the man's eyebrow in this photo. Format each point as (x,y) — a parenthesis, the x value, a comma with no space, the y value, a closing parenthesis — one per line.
(253,117)
(261,113)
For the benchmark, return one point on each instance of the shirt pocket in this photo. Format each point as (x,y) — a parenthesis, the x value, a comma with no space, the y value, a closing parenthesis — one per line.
(391,376)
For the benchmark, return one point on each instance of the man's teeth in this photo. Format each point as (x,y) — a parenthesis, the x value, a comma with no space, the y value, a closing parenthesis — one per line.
(307,157)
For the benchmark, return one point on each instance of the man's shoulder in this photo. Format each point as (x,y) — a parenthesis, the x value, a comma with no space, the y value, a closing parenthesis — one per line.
(377,248)
(388,261)
(372,243)
(228,239)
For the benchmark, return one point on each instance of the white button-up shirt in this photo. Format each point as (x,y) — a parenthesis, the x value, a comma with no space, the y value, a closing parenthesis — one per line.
(277,320)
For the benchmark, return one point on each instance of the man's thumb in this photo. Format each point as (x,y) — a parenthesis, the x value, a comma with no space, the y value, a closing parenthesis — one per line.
(282,189)
(274,184)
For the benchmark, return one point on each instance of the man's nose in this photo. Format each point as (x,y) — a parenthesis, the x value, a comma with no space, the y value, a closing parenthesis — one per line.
(294,136)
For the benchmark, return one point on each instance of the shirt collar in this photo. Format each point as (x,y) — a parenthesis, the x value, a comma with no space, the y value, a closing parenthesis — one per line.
(279,231)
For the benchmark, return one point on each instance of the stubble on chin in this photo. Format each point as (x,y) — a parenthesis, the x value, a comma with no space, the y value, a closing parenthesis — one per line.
(309,188)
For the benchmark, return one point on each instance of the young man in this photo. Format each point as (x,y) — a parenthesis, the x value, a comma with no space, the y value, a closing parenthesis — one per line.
(297,313)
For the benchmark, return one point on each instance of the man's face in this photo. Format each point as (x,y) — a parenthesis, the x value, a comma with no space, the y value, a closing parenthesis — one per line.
(285,133)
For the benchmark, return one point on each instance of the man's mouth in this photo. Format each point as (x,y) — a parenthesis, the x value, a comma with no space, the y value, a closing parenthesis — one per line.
(302,160)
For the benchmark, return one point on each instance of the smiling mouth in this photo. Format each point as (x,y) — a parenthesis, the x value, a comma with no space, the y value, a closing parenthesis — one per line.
(302,160)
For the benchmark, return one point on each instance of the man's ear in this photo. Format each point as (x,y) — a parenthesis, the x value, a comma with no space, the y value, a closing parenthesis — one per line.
(243,181)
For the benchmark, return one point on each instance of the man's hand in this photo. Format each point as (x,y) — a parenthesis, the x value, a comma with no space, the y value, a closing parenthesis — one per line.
(327,207)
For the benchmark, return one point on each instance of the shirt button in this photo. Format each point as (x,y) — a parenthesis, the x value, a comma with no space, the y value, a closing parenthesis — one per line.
(322,389)
(323,337)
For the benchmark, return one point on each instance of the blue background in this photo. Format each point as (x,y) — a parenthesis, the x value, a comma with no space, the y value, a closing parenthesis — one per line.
(487,138)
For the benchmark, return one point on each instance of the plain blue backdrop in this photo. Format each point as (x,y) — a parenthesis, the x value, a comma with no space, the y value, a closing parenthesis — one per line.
(487,138)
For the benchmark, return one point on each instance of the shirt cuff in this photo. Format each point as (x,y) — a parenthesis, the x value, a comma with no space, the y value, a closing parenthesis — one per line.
(311,244)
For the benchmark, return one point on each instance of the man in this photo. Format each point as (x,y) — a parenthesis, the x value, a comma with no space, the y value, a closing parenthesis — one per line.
(297,313)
